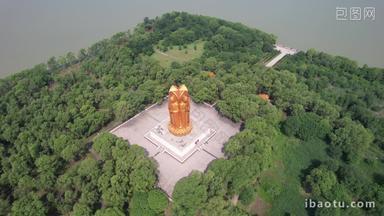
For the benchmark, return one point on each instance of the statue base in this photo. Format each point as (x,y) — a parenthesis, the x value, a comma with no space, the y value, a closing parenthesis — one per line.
(180,147)
(180,131)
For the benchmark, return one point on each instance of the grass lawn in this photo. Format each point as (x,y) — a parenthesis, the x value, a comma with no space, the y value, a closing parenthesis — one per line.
(174,54)
(281,185)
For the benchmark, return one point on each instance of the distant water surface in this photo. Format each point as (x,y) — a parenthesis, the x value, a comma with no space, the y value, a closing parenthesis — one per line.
(31,31)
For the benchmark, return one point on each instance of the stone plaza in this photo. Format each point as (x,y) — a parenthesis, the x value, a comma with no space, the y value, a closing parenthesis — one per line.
(177,156)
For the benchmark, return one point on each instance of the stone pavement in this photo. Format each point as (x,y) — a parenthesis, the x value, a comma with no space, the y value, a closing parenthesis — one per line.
(177,157)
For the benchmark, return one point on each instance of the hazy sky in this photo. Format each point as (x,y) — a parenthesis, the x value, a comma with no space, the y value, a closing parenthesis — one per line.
(34,30)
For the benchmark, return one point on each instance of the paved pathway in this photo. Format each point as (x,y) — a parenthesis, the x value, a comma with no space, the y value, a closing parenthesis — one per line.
(283,52)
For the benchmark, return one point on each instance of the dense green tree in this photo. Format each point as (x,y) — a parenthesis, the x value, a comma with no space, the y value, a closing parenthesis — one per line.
(71,151)
(189,194)
(28,205)
(352,178)
(123,110)
(341,81)
(46,167)
(306,126)
(103,145)
(236,105)
(374,192)
(157,201)
(181,36)
(139,205)
(321,181)
(63,145)
(81,210)
(216,206)
(350,141)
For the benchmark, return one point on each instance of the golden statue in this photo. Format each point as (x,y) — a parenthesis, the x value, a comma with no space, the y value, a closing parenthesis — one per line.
(179,106)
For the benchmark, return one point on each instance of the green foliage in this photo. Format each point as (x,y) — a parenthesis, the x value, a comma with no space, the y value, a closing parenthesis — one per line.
(328,212)
(205,89)
(157,200)
(210,64)
(321,181)
(247,195)
(103,145)
(217,206)
(141,43)
(5,207)
(131,172)
(47,167)
(350,141)
(306,126)
(81,210)
(139,205)
(122,110)
(357,90)
(189,194)
(255,141)
(271,187)
(152,203)
(50,113)
(109,212)
(237,104)
(28,205)
(66,146)
(351,178)
(181,36)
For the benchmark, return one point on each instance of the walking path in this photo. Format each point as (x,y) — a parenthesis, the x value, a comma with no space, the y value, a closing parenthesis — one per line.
(283,52)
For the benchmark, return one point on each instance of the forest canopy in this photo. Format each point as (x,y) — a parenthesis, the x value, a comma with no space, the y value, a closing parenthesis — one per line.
(324,121)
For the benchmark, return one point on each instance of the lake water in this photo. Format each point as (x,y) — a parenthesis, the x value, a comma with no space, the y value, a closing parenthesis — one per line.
(31,31)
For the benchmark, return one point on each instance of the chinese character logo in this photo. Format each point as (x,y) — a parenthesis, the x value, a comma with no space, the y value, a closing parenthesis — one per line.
(369,13)
(341,13)
(355,13)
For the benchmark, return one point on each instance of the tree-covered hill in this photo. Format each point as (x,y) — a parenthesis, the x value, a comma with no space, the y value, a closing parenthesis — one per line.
(359,91)
(324,121)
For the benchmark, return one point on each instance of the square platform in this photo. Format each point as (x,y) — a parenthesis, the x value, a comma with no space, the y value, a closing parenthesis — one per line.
(176,157)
